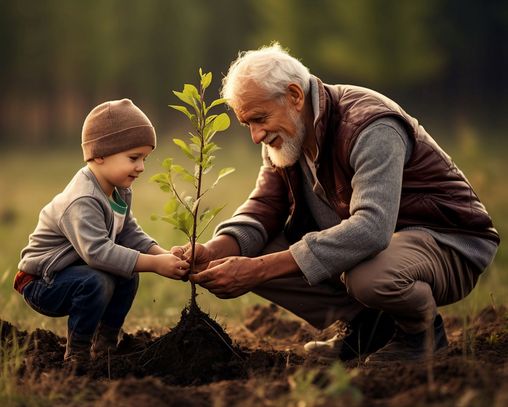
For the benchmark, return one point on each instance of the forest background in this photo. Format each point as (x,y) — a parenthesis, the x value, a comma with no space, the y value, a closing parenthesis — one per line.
(445,62)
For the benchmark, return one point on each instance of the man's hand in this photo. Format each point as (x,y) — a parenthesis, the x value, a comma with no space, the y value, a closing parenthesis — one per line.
(202,255)
(230,277)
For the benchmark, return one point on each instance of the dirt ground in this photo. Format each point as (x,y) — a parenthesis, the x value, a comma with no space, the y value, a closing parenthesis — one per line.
(265,365)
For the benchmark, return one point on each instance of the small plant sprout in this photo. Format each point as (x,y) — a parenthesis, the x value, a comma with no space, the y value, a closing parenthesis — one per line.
(184,211)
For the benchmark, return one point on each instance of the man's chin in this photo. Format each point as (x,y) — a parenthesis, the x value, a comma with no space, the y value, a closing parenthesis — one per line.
(282,162)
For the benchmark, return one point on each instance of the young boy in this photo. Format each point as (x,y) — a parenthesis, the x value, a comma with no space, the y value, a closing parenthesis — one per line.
(85,254)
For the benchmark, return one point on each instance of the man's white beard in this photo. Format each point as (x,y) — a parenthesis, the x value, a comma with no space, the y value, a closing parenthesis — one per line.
(291,147)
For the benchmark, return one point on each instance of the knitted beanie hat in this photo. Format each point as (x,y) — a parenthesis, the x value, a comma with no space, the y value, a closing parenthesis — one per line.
(115,126)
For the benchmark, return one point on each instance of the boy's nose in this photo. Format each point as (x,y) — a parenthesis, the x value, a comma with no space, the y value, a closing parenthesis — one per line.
(141,166)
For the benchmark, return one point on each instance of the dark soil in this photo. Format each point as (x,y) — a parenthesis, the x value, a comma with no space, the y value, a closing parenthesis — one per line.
(198,364)
(196,351)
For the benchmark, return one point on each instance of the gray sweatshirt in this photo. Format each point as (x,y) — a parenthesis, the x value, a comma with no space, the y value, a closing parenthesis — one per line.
(78,225)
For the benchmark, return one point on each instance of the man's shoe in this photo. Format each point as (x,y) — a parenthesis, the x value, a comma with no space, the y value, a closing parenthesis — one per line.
(368,332)
(329,349)
(412,347)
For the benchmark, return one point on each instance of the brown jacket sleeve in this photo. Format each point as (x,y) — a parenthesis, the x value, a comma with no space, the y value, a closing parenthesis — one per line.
(268,203)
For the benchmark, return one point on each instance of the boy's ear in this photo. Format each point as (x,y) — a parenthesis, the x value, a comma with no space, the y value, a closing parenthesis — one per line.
(98,160)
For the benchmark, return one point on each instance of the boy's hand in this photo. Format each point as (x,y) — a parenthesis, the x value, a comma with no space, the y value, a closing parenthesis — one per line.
(168,265)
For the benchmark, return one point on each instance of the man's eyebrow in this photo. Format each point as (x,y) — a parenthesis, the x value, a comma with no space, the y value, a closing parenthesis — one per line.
(254,114)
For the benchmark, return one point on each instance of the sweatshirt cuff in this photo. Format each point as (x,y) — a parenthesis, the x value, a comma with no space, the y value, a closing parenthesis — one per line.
(145,246)
(309,264)
(249,233)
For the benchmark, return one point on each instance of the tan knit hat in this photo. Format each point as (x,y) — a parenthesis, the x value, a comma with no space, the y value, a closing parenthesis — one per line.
(115,126)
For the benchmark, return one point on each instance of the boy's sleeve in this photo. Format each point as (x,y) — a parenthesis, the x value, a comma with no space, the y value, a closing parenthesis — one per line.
(83,224)
(133,236)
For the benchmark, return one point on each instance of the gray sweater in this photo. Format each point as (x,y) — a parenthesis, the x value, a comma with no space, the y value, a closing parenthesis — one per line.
(77,225)
(378,161)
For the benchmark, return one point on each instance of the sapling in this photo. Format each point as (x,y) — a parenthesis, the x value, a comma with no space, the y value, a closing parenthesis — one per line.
(197,348)
(185,211)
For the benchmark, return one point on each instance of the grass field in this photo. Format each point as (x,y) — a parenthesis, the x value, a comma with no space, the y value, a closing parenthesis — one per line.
(29,179)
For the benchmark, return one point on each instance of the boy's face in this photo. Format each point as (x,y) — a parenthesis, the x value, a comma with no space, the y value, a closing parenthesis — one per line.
(121,169)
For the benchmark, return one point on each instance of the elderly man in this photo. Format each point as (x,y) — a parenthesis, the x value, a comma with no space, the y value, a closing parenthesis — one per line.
(357,214)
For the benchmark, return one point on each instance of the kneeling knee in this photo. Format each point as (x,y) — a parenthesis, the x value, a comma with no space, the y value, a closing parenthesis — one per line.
(366,290)
(100,286)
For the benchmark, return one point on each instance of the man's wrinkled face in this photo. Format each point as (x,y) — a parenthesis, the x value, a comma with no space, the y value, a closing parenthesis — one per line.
(273,121)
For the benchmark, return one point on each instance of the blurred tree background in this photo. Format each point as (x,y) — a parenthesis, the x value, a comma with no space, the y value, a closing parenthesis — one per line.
(443,60)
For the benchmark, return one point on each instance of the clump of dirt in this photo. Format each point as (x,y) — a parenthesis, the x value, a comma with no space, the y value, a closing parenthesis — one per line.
(268,321)
(9,332)
(196,351)
(282,331)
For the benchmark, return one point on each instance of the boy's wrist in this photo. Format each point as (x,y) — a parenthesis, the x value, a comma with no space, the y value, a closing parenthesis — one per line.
(156,249)
(146,263)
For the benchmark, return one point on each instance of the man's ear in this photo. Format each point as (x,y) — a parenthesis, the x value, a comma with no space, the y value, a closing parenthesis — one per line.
(296,96)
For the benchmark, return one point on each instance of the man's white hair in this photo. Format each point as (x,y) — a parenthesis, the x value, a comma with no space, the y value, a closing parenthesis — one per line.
(270,67)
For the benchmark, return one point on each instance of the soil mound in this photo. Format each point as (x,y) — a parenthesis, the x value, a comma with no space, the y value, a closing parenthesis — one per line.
(196,351)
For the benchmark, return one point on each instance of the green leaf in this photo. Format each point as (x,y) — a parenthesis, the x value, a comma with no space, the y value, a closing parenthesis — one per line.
(195,147)
(183,173)
(177,168)
(161,178)
(195,205)
(216,102)
(221,122)
(206,79)
(208,164)
(207,217)
(185,222)
(189,95)
(223,173)
(184,110)
(184,147)
(170,219)
(171,206)
(209,214)
(210,148)
(153,216)
(195,140)
(188,177)
(210,118)
(167,163)
(184,98)
(178,211)
(209,133)
(188,202)
(191,91)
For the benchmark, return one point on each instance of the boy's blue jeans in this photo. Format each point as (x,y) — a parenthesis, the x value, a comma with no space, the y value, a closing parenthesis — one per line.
(90,297)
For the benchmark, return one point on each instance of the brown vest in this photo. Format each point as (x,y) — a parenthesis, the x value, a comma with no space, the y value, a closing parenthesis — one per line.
(435,193)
